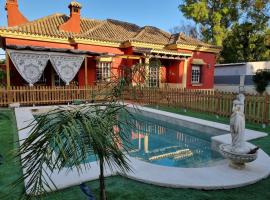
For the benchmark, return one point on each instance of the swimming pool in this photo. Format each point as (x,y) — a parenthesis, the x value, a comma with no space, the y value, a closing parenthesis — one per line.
(163,143)
(217,176)
(167,144)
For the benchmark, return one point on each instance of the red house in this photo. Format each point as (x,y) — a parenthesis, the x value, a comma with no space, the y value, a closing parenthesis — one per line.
(59,49)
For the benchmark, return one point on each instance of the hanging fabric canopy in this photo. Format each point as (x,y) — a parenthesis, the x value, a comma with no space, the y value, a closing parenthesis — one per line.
(29,65)
(66,66)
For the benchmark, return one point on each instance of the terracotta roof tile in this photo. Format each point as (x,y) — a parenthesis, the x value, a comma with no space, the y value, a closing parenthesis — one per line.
(47,26)
(112,30)
(180,38)
(151,34)
(107,30)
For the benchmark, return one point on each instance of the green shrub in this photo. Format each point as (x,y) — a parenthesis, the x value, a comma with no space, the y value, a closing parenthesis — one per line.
(261,80)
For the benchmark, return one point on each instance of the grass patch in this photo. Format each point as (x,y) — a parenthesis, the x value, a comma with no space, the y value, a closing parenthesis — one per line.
(9,170)
(119,188)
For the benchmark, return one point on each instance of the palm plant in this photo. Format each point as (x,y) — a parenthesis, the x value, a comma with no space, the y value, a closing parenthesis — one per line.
(65,137)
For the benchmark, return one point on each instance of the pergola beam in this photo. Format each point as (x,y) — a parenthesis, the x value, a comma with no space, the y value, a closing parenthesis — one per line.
(85,71)
(167,57)
(7,69)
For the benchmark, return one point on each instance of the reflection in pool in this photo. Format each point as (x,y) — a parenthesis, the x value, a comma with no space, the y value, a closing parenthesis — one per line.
(163,143)
(166,144)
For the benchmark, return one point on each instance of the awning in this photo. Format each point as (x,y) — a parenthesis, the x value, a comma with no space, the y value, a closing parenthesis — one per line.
(198,62)
(162,53)
(30,61)
(170,52)
(104,59)
(31,64)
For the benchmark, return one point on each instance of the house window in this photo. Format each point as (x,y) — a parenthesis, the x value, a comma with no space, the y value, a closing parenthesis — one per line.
(196,74)
(103,71)
(42,79)
(58,81)
(153,76)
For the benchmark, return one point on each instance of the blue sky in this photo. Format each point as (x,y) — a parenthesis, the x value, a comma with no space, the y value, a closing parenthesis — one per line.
(163,14)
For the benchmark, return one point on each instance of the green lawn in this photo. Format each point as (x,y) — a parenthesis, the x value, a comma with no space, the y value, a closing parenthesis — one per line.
(120,188)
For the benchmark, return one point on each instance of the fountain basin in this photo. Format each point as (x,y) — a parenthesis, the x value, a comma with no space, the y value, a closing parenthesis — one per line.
(237,160)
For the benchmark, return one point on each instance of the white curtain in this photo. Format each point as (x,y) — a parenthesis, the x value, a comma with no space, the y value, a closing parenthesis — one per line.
(30,65)
(66,66)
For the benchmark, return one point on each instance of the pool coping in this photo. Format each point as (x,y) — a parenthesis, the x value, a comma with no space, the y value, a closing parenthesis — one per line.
(213,177)
(216,140)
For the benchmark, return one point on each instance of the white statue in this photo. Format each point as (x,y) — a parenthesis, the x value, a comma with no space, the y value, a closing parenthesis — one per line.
(237,126)
(238,152)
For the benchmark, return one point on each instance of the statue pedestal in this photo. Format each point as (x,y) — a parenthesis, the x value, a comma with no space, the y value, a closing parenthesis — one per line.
(237,160)
(236,165)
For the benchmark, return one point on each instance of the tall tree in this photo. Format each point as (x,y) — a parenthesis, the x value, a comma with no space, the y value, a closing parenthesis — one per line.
(244,43)
(267,38)
(247,39)
(213,17)
(239,26)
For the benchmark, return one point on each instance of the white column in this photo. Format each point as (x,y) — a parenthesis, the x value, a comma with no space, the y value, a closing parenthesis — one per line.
(146,143)
(184,78)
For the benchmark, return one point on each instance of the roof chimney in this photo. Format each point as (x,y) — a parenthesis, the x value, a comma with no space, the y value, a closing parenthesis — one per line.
(74,22)
(14,16)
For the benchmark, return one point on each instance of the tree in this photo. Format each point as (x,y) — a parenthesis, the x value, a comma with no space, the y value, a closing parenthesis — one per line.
(261,80)
(213,17)
(246,40)
(244,43)
(267,39)
(66,137)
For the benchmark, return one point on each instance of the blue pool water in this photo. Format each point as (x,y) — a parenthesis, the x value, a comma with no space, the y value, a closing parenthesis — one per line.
(166,144)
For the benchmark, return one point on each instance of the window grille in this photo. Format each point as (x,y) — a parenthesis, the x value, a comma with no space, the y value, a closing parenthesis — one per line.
(153,76)
(103,71)
(196,74)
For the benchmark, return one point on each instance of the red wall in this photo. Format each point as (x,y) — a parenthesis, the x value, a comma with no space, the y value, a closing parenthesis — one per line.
(91,73)
(172,70)
(11,41)
(207,72)
(100,49)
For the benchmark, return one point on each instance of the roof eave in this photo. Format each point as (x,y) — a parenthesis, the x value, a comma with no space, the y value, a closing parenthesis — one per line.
(132,43)
(27,36)
(209,49)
